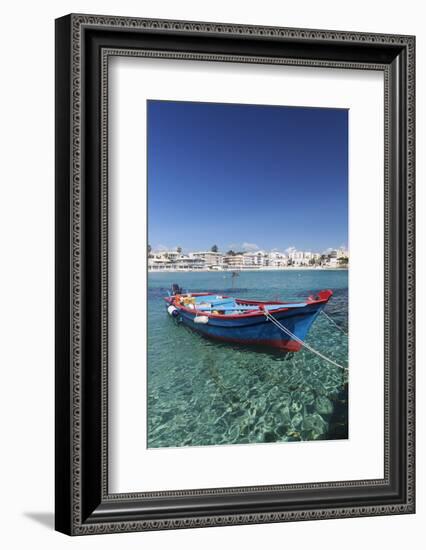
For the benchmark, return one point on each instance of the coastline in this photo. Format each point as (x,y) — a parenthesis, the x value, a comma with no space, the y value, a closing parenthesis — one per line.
(206,270)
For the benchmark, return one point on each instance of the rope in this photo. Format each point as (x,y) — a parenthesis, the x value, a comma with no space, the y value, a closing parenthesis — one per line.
(334,323)
(301,342)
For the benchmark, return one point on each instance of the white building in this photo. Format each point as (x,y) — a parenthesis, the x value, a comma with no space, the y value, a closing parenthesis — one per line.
(210,259)
(299,258)
(172,260)
(234,262)
(159,261)
(186,263)
(342,253)
(253,260)
(334,257)
(276,260)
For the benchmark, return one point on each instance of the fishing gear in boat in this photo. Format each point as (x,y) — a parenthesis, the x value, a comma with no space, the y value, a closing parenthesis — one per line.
(176,289)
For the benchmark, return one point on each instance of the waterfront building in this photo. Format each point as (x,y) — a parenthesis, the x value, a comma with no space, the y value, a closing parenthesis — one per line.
(234,261)
(172,260)
(209,258)
(299,258)
(276,260)
(254,260)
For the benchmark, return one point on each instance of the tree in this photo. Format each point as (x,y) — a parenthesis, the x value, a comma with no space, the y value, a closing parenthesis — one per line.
(179,250)
(215,248)
(230,253)
(149,249)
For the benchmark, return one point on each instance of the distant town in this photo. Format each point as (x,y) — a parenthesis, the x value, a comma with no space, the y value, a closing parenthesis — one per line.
(214,260)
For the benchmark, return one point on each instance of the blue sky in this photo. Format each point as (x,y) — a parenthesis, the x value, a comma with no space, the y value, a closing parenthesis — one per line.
(246,176)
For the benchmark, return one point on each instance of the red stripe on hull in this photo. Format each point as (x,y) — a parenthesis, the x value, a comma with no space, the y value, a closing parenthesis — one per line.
(283,345)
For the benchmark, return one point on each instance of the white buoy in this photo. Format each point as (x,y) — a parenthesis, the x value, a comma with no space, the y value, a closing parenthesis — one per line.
(203,319)
(171,310)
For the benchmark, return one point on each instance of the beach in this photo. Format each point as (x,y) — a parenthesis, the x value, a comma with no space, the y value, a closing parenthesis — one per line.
(229,271)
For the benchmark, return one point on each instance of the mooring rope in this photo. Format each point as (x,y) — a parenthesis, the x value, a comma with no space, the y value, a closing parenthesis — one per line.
(301,342)
(334,322)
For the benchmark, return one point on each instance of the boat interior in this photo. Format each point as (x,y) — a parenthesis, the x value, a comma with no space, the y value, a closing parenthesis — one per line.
(225,305)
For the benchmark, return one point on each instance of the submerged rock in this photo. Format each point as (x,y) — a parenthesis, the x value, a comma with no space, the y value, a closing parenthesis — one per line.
(285,412)
(285,400)
(296,420)
(296,407)
(283,429)
(314,423)
(269,437)
(307,397)
(323,405)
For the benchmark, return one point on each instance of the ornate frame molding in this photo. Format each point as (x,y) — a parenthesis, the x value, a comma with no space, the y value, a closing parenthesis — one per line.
(72,46)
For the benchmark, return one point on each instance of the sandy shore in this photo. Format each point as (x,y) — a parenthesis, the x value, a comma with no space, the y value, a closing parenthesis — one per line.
(247,269)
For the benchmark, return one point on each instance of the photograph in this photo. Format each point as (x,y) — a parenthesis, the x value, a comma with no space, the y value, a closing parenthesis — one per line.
(247,274)
(234,274)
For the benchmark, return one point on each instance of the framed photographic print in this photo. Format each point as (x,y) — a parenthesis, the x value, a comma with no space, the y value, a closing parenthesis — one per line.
(234,274)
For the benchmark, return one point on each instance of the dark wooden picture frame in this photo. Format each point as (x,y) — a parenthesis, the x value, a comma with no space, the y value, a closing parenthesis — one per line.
(83,45)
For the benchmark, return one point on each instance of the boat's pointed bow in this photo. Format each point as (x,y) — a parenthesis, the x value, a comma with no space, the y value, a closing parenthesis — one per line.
(321,296)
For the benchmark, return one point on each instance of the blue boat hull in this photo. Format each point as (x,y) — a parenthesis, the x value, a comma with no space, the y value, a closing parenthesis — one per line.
(257,329)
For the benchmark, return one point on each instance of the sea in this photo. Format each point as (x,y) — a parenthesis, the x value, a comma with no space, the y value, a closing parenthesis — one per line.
(203,392)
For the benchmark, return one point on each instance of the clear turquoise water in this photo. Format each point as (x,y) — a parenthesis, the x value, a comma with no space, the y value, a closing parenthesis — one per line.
(201,392)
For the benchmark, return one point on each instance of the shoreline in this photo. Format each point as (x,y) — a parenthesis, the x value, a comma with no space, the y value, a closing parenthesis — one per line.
(248,269)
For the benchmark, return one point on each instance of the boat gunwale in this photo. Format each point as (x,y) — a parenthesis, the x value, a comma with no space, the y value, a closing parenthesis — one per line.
(323,297)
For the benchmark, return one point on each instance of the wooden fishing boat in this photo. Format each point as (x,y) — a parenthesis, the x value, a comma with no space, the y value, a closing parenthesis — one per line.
(282,325)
